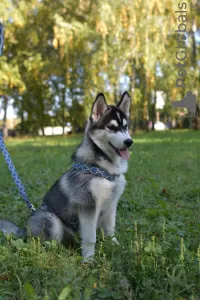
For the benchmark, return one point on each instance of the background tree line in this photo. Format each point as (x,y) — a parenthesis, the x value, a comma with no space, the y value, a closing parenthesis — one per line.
(59,54)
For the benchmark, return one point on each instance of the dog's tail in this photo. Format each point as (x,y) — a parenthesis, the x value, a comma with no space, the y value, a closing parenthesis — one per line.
(8,227)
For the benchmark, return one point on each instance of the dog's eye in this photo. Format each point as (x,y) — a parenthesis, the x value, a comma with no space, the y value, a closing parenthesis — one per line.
(126,127)
(111,127)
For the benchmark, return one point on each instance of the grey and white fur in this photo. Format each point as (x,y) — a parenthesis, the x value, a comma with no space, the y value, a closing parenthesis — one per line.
(82,203)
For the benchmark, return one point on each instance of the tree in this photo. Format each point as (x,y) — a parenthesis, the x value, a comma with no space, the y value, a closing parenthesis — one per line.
(54,69)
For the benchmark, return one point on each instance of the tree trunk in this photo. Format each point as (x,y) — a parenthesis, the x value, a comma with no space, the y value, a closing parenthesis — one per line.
(63,111)
(154,111)
(43,133)
(22,115)
(5,107)
(146,87)
(115,95)
(132,114)
(145,105)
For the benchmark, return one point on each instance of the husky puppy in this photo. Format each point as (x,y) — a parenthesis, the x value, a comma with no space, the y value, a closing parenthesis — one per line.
(85,197)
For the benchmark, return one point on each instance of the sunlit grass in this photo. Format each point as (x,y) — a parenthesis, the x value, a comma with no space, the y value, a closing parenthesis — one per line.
(158,225)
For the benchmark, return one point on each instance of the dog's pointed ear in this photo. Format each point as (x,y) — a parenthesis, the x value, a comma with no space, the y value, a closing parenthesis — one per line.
(124,103)
(99,107)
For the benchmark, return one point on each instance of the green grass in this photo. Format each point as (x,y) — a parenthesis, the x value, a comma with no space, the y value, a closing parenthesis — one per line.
(158,225)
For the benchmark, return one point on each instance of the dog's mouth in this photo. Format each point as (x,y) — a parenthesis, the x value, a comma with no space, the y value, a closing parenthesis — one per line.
(124,153)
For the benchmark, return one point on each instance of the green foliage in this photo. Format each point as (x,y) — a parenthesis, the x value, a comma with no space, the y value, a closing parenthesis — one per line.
(157,225)
(54,68)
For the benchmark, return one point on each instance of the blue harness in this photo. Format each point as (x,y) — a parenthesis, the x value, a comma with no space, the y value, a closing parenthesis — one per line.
(89,169)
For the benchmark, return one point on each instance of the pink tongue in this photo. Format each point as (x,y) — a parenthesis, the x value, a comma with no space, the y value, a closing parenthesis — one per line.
(124,153)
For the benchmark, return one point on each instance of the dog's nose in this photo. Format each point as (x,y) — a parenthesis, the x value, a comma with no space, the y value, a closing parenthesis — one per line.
(128,142)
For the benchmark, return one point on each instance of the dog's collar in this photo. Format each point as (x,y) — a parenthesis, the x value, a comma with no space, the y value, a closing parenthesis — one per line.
(89,169)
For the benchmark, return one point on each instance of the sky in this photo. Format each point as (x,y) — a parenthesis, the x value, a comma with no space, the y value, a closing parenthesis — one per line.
(10,112)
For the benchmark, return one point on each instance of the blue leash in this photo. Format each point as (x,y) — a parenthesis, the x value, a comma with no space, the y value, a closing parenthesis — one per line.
(5,151)
(14,174)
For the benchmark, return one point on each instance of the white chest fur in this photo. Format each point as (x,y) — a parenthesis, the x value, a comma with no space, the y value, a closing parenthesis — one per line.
(101,190)
(105,191)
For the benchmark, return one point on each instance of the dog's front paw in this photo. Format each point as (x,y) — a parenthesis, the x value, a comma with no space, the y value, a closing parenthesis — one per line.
(88,252)
(89,260)
(115,241)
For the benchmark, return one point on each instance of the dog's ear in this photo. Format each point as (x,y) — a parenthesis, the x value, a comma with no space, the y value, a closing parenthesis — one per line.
(124,103)
(99,107)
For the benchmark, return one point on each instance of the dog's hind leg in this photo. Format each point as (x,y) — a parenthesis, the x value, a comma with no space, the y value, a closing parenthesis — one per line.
(45,225)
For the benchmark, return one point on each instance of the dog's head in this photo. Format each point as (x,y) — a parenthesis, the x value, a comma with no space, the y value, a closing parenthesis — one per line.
(108,126)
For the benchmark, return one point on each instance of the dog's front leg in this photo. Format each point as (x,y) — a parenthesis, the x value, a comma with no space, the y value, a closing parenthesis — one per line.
(88,223)
(108,223)
(109,215)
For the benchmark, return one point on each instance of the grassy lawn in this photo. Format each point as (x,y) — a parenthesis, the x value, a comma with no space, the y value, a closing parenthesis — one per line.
(158,225)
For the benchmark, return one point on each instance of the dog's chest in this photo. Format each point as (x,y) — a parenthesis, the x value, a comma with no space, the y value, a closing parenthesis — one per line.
(103,190)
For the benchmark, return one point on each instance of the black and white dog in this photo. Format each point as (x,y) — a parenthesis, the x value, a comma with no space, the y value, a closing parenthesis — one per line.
(85,197)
